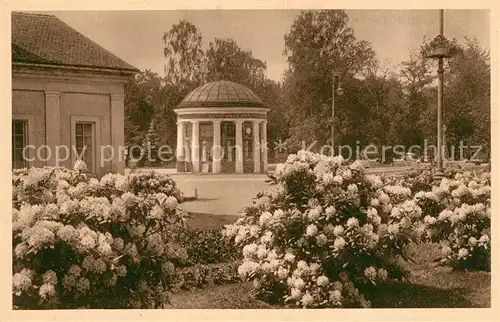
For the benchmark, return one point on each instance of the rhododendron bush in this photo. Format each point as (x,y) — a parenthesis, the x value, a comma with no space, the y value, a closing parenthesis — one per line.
(83,242)
(456,213)
(458,216)
(326,232)
(323,232)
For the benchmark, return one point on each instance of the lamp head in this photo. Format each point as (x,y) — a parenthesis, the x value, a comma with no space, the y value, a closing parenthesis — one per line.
(340,91)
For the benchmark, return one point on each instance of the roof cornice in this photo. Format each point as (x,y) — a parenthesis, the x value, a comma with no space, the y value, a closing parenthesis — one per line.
(54,66)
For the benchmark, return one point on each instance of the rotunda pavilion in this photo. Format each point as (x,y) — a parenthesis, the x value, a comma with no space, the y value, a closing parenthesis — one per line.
(222,128)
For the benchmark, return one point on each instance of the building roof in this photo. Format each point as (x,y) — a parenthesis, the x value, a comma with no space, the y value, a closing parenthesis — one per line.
(45,39)
(222,94)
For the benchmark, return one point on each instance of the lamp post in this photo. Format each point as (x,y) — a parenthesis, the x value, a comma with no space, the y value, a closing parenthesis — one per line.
(339,91)
(440,99)
(440,51)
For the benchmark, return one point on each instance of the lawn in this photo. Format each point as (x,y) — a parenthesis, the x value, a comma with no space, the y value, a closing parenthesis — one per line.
(210,221)
(430,286)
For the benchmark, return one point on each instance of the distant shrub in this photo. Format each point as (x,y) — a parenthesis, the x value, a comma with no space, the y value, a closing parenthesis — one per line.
(205,246)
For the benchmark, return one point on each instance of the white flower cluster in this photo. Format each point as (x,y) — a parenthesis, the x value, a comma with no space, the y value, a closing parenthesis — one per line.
(80,166)
(348,212)
(48,288)
(408,208)
(58,209)
(459,217)
(399,191)
(375,181)
(22,281)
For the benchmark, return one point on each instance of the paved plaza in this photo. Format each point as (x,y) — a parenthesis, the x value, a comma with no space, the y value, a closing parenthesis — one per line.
(218,194)
(229,194)
(225,194)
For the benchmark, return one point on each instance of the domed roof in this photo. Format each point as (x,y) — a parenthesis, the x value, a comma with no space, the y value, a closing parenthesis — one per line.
(222,94)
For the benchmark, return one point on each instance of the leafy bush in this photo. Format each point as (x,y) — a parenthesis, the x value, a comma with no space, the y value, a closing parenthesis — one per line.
(204,247)
(80,242)
(323,232)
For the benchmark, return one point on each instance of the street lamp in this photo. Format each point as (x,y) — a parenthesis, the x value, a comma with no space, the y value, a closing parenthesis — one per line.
(340,92)
(439,49)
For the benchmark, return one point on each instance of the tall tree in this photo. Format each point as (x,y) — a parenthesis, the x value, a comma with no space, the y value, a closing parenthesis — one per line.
(165,116)
(318,44)
(226,60)
(142,96)
(184,54)
(322,41)
(467,101)
(416,77)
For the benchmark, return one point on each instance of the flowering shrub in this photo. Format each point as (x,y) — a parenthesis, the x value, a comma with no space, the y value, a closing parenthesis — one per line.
(323,232)
(80,242)
(458,215)
(418,179)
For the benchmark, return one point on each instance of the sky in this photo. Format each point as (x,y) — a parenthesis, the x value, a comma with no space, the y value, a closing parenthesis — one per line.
(136,36)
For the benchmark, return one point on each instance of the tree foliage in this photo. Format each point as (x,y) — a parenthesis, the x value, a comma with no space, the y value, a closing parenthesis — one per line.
(467,97)
(377,107)
(226,60)
(184,54)
(142,94)
(188,66)
(319,44)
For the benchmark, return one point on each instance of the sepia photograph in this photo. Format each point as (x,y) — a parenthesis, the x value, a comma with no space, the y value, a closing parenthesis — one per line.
(251,159)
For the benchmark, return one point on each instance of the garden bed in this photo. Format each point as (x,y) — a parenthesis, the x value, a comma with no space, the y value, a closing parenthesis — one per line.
(324,235)
(430,287)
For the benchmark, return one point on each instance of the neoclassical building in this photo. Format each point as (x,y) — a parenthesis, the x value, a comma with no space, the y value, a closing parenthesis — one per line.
(222,128)
(67,97)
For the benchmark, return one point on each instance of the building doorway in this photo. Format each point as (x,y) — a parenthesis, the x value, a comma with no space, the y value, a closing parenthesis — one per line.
(228,142)
(247,147)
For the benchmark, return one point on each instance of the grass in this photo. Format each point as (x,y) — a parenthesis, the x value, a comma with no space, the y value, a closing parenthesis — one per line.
(209,221)
(429,287)
(229,296)
(433,286)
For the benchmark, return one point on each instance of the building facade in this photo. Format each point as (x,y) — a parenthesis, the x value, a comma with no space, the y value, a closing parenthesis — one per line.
(222,128)
(67,97)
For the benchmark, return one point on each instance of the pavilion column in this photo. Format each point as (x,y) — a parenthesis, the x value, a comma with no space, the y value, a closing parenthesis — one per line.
(195,146)
(180,145)
(264,146)
(216,148)
(239,146)
(256,147)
